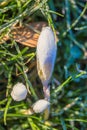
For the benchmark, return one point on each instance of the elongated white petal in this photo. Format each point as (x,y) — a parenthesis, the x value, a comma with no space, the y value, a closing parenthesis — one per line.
(40,106)
(19,92)
(46,54)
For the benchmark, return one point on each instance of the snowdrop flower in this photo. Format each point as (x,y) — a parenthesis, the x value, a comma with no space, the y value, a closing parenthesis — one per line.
(46,54)
(19,92)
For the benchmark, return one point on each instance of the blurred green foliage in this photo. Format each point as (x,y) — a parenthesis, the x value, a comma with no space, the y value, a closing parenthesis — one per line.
(69,99)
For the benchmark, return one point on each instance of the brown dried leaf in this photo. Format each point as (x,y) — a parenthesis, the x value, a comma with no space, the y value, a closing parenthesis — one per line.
(4,38)
(25,35)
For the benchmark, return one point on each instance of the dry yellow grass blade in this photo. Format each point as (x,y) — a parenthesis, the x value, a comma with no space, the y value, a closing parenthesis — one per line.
(4,3)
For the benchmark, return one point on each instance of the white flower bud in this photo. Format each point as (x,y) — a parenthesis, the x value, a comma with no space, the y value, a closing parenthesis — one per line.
(19,92)
(46,54)
(40,106)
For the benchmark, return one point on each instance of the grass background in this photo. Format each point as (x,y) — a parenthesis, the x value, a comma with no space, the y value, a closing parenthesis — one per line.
(69,99)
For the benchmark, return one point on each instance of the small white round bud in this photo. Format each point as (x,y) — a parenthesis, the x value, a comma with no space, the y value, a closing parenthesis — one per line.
(19,92)
(40,106)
